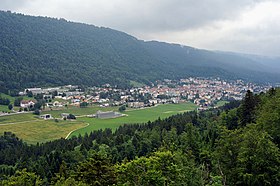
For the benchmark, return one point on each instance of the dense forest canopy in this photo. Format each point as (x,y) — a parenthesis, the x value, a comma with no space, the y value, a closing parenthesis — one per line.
(237,144)
(41,51)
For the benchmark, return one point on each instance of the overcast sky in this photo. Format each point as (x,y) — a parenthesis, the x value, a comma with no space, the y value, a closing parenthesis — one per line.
(247,26)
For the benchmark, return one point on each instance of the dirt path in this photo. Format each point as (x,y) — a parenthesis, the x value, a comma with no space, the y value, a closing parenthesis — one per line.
(75,130)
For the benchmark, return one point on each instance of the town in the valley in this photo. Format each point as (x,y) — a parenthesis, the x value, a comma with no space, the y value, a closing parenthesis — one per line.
(204,92)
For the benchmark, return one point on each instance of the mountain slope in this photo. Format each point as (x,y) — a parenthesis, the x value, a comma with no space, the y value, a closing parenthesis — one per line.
(40,51)
(233,64)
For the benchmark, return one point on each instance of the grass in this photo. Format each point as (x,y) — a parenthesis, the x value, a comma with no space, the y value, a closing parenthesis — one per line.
(16,118)
(4,108)
(12,100)
(221,103)
(41,130)
(134,116)
(32,129)
(77,111)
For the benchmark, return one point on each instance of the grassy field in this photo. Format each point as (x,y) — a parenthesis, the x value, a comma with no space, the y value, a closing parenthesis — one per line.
(12,100)
(32,129)
(40,130)
(4,108)
(77,111)
(134,116)
(221,103)
(17,118)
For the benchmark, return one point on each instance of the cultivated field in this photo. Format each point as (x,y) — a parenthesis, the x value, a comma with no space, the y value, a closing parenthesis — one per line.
(32,129)
(78,112)
(134,116)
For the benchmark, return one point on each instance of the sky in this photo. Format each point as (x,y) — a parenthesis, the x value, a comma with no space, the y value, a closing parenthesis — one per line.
(245,26)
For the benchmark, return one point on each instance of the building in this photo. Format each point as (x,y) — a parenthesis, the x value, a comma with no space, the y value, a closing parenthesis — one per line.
(136,104)
(46,116)
(64,115)
(107,115)
(34,91)
(27,104)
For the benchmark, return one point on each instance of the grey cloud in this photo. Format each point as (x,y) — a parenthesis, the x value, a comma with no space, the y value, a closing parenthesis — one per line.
(166,15)
(11,4)
(138,15)
(165,20)
(145,15)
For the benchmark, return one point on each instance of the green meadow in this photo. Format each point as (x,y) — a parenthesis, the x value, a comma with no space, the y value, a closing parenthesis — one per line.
(4,108)
(221,103)
(42,131)
(134,116)
(33,129)
(77,111)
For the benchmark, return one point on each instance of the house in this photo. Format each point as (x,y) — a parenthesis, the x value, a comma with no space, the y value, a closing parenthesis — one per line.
(68,116)
(64,115)
(49,105)
(27,103)
(46,116)
(154,101)
(57,104)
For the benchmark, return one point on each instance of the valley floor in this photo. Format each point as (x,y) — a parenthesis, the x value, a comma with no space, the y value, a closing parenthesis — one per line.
(32,129)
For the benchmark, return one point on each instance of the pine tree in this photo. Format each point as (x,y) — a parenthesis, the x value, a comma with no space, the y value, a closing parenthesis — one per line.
(247,109)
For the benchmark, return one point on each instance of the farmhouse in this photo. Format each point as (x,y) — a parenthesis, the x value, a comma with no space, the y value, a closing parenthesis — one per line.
(27,103)
(107,115)
(46,116)
(57,104)
(64,115)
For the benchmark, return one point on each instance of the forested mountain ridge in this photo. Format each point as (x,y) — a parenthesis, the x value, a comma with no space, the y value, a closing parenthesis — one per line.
(40,51)
(237,144)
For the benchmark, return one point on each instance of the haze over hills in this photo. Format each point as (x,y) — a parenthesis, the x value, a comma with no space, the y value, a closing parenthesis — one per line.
(40,51)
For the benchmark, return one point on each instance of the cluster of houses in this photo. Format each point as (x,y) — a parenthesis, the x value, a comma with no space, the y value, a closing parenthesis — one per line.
(64,116)
(204,92)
